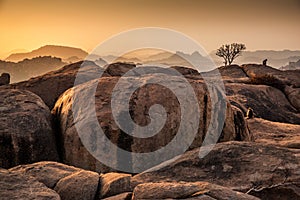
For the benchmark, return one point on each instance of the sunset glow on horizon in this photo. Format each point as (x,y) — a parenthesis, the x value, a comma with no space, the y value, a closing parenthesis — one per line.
(272,25)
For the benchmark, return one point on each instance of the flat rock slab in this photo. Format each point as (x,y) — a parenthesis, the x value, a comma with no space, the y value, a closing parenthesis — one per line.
(69,182)
(46,172)
(185,190)
(123,196)
(275,133)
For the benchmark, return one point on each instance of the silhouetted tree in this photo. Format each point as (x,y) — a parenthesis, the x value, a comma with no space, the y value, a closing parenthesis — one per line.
(229,52)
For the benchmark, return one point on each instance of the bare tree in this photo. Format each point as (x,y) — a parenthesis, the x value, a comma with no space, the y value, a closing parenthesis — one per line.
(229,52)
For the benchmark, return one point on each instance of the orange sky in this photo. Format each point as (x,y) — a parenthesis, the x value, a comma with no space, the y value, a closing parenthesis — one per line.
(260,24)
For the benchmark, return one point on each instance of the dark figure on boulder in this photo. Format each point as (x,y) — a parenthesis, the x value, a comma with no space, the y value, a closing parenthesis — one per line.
(249,114)
(4,79)
(265,62)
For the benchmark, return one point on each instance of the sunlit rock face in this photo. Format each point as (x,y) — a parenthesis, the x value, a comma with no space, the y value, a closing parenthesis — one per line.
(26,133)
(139,108)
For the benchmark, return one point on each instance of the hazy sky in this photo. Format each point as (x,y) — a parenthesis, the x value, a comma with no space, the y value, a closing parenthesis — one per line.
(260,24)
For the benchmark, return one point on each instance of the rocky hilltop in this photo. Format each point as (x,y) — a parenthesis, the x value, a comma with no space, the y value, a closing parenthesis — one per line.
(43,156)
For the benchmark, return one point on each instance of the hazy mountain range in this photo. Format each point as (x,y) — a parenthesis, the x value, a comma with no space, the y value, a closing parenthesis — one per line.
(67,54)
(291,66)
(25,65)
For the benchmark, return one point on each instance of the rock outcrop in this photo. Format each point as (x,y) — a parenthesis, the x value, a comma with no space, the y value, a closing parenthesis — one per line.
(117,69)
(275,133)
(26,134)
(46,172)
(51,180)
(265,167)
(17,186)
(4,79)
(232,72)
(265,171)
(273,94)
(77,186)
(267,102)
(74,152)
(114,183)
(69,182)
(287,81)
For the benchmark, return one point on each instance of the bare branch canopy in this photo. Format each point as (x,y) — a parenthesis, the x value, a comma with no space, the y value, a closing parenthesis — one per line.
(229,52)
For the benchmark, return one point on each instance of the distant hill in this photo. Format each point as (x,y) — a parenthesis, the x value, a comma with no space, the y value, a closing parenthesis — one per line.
(292,66)
(276,59)
(164,58)
(28,68)
(67,54)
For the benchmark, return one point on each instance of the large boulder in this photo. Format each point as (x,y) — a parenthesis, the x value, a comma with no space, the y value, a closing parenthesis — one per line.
(74,153)
(186,190)
(26,134)
(118,68)
(14,186)
(80,185)
(267,102)
(4,79)
(242,166)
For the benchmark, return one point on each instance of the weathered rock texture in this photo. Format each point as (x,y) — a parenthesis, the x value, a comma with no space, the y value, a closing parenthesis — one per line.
(79,185)
(4,79)
(26,135)
(74,152)
(186,190)
(123,196)
(114,183)
(69,182)
(272,94)
(275,133)
(265,171)
(46,172)
(287,81)
(17,186)
(267,102)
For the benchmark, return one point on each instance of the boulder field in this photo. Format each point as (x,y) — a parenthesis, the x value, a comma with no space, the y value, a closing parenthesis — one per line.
(44,154)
